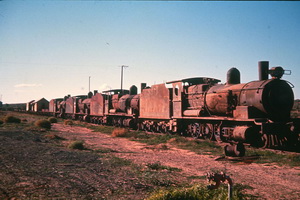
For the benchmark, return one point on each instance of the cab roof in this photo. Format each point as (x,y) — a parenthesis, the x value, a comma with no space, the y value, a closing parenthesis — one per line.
(116,91)
(197,80)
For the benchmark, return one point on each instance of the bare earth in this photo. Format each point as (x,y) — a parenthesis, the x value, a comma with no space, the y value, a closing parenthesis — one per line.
(268,181)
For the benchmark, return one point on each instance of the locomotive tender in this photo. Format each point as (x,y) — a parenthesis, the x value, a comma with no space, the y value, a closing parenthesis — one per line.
(257,112)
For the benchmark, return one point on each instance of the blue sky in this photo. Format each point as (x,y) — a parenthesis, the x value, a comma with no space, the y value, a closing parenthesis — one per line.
(49,49)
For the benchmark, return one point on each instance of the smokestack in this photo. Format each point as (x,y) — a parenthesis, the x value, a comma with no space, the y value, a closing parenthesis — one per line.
(263,70)
(143,86)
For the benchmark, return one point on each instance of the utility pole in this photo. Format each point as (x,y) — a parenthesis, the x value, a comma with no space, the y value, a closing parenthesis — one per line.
(122,67)
(89,83)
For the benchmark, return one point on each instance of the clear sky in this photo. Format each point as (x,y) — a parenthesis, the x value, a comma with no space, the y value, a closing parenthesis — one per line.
(50,48)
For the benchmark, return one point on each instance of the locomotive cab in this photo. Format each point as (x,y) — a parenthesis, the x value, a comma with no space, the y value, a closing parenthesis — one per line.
(54,105)
(189,94)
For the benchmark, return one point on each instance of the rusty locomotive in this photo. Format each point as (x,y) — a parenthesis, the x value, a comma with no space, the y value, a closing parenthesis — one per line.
(257,112)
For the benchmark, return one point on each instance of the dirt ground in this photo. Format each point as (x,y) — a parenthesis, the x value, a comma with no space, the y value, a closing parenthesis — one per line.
(268,181)
(33,167)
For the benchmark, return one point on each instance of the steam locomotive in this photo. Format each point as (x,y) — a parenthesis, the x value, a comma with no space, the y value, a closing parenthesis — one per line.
(257,112)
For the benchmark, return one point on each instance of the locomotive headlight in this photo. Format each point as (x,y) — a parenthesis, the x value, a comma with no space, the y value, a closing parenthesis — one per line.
(276,72)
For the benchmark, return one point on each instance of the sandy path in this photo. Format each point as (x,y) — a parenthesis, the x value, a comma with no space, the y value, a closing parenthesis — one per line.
(268,182)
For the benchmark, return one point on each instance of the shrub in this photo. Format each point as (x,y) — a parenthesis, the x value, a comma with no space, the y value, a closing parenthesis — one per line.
(1,122)
(102,129)
(43,124)
(159,166)
(76,145)
(162,147)
(52,120)
(12,119)
(53,137)
(200,192)
(119,132)
(68,122)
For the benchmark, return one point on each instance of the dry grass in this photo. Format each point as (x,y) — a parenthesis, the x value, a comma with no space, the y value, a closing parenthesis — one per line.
(76,145)
(68,122)
(120,132)
(11,119)
(162,147)
(43,124)
(53,137)
(52,120)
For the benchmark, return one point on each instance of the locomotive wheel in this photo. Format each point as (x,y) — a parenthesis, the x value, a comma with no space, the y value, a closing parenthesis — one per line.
(142,126)
(281,141)
(120,122)
(265,141)
(163,128)
(149,126)
(218,132)
(155,128)
(114,122)
(195,130)
(189,129)
(207,131)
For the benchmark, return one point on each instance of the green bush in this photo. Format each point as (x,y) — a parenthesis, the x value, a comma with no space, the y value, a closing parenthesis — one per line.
(158,166)
(199,192)
(43,124)
(52,120)
(11,119)
(76,145)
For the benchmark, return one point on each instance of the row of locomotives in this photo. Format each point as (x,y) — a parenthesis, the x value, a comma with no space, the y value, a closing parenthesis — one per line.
(71,107)
(75,107)
(113,107)
(256,113)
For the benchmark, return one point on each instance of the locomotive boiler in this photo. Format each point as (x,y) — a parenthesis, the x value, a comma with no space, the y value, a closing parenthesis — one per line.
(266,98)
